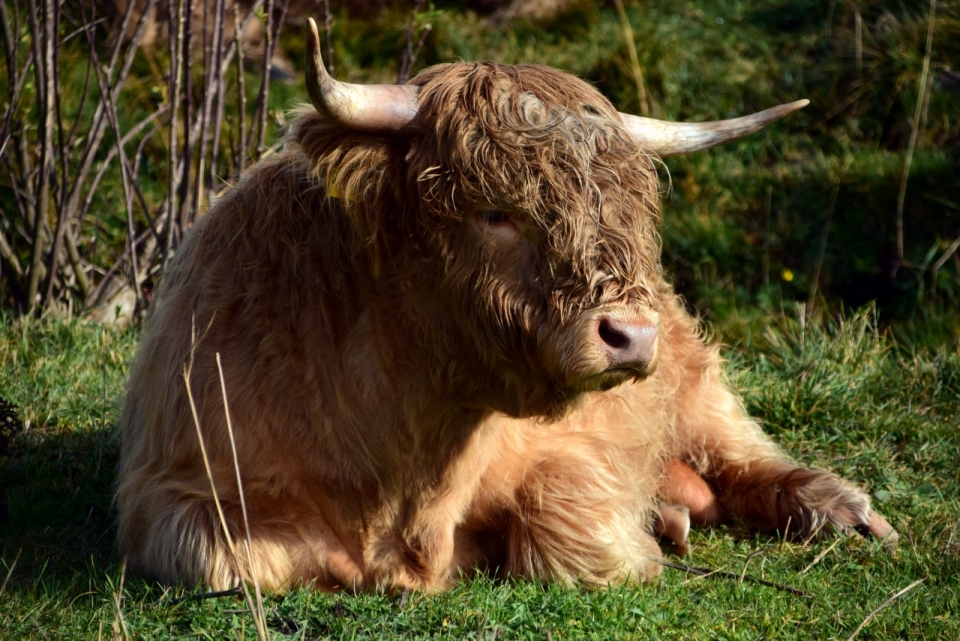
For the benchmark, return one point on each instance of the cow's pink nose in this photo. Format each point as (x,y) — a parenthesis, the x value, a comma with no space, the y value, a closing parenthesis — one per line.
(628,344)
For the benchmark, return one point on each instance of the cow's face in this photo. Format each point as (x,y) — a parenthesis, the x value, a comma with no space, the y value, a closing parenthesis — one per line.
(542,213)
(523,194)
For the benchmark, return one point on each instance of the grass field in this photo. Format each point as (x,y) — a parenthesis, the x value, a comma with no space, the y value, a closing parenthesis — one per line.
(840,397)
(785,242)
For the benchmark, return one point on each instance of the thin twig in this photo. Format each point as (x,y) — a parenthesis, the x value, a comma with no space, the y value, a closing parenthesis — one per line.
(126,175)
(6,252)
(241,160)
(219,26)
(406,62)
(749,558)
(730,575)
(236,591)
(946,256)
(174,42)
(183,194)
(264,96)
(883,605)
(43,62)
(327,29)
(53,29)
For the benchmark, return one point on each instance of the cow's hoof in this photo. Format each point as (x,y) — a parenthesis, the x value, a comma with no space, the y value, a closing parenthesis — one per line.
(673,524)
(817,501)
(880,528)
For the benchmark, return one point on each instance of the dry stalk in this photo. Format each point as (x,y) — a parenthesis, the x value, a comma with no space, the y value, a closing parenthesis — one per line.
(634,59)
(943,259)
(119,624)
(765,261)
(819,558)
(257,612)
(818,266)
(749,558)
(10,571)
(243,503)
(883,605)
(858,40)
(922,97)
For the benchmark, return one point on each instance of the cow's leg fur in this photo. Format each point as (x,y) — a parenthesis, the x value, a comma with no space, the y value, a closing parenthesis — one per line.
(574,510)
(750,476)
(178,537)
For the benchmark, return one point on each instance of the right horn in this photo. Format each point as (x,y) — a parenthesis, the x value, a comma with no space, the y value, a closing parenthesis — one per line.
(387,109)
(675,138)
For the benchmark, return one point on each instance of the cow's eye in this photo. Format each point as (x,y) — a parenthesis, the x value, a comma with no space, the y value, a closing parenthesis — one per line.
(494,216)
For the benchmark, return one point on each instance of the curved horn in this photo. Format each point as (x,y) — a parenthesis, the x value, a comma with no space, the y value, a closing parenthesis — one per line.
(372,108)
(675,138)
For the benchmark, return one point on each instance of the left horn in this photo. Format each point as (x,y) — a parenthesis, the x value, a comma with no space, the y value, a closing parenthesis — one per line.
(372,108)
(675,138)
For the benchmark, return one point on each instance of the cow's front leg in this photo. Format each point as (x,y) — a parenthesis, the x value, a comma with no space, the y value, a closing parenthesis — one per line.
(751,479)
(415,556)
(578,513)
(748,476)
(413,539)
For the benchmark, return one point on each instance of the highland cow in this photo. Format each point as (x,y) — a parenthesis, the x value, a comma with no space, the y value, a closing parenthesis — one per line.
(447,347)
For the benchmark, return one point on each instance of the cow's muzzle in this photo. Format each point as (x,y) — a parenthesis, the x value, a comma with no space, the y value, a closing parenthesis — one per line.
(629,341)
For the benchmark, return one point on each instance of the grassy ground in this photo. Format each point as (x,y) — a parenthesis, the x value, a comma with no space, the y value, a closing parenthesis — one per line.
(742,240)
(841,397)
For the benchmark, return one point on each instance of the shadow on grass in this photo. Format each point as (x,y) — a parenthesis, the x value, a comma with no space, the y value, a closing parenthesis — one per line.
(59,490)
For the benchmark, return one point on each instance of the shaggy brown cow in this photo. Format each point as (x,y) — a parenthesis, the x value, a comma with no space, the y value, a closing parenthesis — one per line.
(447,345)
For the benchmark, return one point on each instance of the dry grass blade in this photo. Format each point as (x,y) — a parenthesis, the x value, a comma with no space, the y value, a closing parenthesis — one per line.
(922,97)
(120,631)
(10,571)
(258,619)
(634,59)
(883,605)
(243,503)
(821,251)
(819,558)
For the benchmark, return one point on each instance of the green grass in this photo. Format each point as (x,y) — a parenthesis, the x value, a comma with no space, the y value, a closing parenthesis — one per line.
(839,396)
(878,405)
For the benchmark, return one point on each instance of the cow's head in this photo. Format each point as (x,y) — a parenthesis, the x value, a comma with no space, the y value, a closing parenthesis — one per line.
(532,207)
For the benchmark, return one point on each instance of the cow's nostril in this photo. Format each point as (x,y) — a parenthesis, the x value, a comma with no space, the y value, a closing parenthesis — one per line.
(628,343)
(610,335)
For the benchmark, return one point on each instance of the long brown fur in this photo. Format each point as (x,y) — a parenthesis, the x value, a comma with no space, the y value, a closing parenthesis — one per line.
(416,395)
